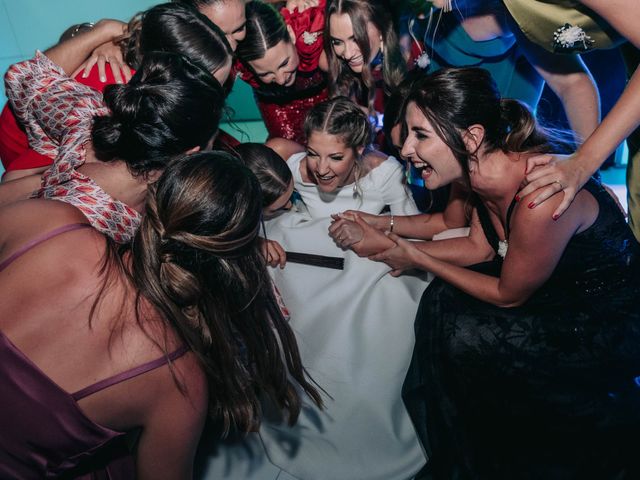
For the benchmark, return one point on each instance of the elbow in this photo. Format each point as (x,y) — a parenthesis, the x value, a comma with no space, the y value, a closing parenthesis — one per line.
(510,303)
(511,299)
(580,84)
(483,252)
(486,255)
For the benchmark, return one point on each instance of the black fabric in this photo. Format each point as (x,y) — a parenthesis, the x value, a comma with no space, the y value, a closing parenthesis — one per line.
(547,390)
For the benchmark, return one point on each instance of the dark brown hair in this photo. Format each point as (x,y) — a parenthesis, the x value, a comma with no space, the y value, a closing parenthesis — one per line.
(196,259)
(342,80)
(170,106)
(265,29)
(176,28)
(270,169)
(454,99)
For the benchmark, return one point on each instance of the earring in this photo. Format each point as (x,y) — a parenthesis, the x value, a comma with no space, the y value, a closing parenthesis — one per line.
(447,6)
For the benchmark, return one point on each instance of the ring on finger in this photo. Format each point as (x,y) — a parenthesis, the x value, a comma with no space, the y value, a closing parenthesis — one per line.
(559,183)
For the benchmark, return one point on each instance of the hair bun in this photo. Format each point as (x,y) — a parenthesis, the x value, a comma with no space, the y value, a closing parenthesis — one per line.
(106,135)
(109,132)
(124,100)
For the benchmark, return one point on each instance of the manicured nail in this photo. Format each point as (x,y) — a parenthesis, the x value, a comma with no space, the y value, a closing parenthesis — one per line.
(517,199)
(555,216)
(531,205)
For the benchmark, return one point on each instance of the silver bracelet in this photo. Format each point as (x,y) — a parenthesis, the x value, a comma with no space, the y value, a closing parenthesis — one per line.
(81,27)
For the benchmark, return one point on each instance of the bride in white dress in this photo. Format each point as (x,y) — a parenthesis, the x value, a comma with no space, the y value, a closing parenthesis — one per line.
(354,325)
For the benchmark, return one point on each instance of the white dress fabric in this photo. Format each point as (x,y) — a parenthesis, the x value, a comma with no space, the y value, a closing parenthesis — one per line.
(354,328)
(382,186)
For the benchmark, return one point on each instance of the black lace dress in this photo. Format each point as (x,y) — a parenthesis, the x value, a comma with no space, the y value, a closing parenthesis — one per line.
(547,390)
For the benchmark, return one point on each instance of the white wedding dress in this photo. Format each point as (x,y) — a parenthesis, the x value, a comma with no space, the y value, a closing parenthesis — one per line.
(354,328)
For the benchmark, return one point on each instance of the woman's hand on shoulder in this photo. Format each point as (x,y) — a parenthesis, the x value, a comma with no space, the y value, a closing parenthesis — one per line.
(273,253)
(547,175)
(109,53)
(536,244)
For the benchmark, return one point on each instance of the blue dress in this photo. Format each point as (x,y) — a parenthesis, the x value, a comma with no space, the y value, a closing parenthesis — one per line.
(451,46)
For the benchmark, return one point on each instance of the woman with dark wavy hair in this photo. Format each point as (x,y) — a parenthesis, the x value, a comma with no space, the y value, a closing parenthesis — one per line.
(98,340)
(540,345)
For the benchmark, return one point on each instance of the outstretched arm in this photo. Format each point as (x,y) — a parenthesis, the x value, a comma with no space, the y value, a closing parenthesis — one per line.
(424,225)
(535,247)
(570,79)
(70,54)
(623,118)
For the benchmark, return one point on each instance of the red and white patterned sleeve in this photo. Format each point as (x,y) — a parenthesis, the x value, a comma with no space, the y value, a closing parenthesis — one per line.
(53,108)
(58,115)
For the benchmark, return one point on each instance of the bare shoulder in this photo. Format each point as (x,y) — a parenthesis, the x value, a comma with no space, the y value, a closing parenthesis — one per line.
(24,220)
(173,422)
(40,212)
(373,159)
(283,147)
(580,214)
(183,385)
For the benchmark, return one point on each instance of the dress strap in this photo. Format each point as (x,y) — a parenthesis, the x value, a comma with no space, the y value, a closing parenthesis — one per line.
(134,372)
(509,213)
(41,239)
(487,226)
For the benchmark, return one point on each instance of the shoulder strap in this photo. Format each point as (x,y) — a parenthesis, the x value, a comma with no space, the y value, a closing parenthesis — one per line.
(134,372)
(41,239)
(487,226)
(509,213)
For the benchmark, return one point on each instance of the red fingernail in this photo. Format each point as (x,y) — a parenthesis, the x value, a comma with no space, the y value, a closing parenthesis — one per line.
(555,216)
(531,205)
(517,199)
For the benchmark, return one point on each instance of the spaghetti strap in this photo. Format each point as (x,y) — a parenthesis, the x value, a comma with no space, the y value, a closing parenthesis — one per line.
(38,240)
(134,372)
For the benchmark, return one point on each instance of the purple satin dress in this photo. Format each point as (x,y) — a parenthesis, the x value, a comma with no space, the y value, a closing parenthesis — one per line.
(43,431)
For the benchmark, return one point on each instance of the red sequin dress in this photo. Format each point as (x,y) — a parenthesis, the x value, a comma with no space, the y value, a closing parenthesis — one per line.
(57,113)
(283,109)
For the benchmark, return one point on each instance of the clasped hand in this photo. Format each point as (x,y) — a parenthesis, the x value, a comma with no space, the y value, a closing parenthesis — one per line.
(403,255)
(351,229)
